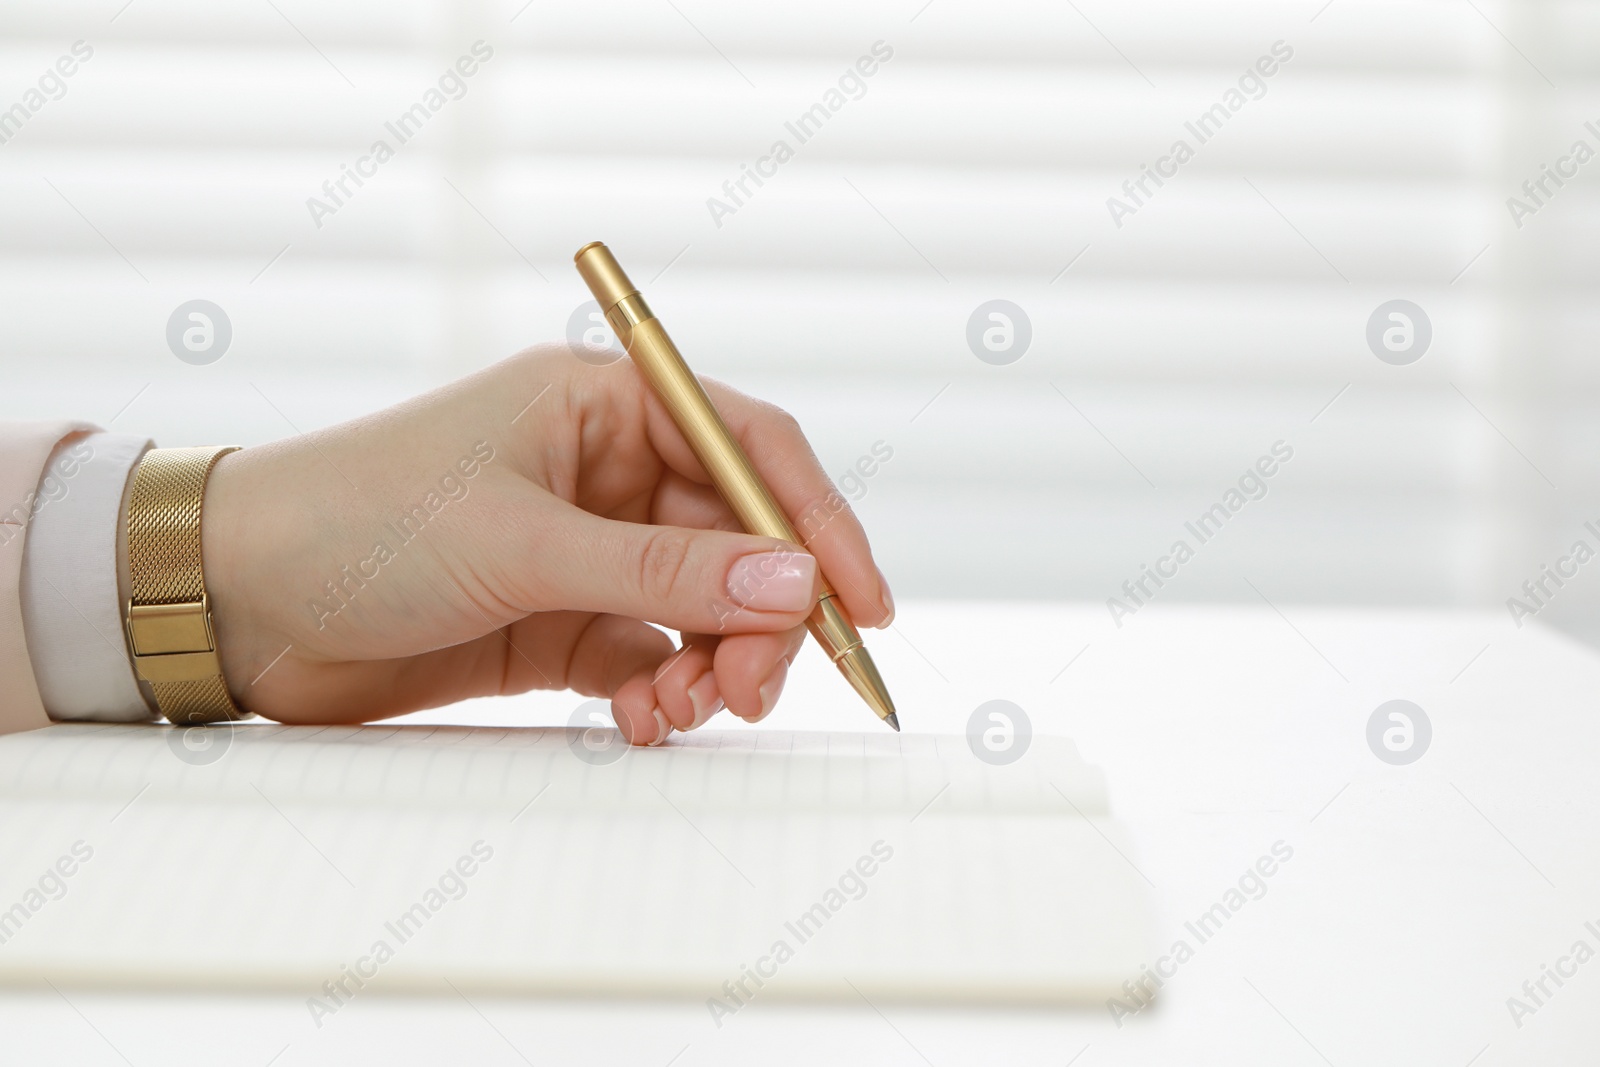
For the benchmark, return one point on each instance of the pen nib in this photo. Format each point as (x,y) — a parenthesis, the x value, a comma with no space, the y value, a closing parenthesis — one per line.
(862,673)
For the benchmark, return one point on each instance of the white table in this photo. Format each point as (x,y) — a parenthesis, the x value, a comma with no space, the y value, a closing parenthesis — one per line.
(1418,898)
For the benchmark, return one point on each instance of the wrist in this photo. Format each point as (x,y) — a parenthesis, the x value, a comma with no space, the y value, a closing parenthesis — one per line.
(225,535)
(251,548)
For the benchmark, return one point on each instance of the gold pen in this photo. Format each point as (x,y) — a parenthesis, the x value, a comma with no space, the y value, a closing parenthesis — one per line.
(653,352)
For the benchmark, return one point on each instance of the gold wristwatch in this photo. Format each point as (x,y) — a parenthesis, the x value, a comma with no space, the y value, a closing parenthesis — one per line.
(169,615)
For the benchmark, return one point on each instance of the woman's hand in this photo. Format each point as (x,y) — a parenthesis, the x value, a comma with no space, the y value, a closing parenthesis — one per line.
(517,530)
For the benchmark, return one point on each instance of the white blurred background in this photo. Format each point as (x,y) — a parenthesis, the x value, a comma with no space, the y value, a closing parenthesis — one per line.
(1167,354)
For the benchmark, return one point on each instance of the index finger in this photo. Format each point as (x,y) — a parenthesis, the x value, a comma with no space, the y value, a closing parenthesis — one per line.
(823,520)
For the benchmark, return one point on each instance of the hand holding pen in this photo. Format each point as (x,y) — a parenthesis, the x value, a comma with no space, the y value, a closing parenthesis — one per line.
(517,530)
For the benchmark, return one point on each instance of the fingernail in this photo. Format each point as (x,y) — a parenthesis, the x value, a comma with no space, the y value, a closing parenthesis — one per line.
(705,699)
(773,581)
(771,688)
(888,597)
(663,727)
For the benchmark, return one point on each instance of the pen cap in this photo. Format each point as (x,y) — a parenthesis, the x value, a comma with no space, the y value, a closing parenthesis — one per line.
(601,272)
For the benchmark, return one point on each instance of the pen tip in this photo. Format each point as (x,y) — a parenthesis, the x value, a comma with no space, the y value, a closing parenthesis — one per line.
(863,676)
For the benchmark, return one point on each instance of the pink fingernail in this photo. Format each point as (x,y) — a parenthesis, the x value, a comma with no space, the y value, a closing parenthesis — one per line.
(888,597)
(705,699)
(773,581)
(771,688)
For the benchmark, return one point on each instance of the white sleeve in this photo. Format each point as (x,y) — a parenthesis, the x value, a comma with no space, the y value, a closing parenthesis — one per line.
(71,603)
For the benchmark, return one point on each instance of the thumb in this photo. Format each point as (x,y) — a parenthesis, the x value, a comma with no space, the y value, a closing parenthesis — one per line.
(698,581)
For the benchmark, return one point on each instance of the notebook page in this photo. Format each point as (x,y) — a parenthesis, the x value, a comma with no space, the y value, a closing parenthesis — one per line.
(464,766)
(385,859)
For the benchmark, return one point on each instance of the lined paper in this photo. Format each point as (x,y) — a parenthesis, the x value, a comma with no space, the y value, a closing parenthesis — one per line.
(671,870)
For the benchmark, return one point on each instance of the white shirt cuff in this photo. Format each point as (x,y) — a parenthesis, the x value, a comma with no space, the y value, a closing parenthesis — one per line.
(71,603)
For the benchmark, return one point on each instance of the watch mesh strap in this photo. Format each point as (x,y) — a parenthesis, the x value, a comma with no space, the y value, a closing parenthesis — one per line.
(206,700)
(164,566)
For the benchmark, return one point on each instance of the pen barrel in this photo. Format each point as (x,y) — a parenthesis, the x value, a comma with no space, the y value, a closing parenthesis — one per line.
(726,462)
(713,444)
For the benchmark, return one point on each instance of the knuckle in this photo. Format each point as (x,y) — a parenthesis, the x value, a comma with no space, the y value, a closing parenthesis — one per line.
(528,360)
(663,564)
(770,418)
(819,514)
(785,422)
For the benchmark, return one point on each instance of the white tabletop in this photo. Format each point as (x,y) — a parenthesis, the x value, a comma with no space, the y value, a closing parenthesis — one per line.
(1417,900)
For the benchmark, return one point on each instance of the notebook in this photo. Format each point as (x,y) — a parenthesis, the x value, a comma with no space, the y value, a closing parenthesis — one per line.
(729,867)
